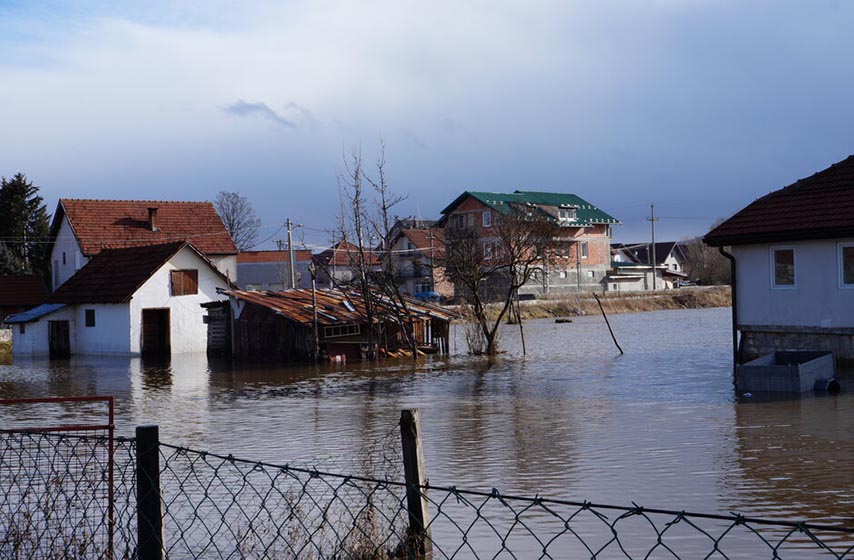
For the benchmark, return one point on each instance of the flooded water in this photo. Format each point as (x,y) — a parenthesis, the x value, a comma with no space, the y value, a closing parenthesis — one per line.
(659,426)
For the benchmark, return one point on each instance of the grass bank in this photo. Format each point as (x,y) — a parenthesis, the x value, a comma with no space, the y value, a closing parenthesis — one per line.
(584,304)
(5,353)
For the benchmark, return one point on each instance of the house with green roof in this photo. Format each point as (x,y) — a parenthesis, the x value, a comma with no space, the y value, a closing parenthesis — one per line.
(584,248)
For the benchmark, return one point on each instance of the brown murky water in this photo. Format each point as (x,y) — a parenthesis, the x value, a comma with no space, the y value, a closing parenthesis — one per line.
(659,426)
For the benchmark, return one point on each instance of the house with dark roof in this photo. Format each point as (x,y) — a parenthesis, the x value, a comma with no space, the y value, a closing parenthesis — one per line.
(792,253)
(271,270)
(125,301)
(584,250)
(633,269)
(417,257)
(19,293)
(82,229)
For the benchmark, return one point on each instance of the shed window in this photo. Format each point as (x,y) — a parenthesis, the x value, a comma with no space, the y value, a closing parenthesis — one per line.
(846,265)
(22,328)
(341,330)
(783,273)
(185,282)
(90,317)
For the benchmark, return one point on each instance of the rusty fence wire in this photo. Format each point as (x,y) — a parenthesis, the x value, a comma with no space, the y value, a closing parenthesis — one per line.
(219,506)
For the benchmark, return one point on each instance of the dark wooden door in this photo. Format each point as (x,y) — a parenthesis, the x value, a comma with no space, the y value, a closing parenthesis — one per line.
(155,332)
(59,342)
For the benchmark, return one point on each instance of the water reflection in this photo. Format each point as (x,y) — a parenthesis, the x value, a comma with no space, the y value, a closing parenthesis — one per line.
(659,426)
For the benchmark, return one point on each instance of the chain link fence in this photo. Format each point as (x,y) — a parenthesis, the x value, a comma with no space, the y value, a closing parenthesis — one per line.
(196,504)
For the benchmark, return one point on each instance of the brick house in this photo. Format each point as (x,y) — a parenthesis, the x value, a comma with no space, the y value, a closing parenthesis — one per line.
(583,256)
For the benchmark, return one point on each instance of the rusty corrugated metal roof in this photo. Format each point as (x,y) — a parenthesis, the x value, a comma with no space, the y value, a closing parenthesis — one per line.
(334,307)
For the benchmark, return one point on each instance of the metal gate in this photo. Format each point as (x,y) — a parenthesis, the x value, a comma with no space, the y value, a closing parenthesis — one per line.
(56,477)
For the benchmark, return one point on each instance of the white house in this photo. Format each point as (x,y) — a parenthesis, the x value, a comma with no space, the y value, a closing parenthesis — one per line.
(83,228)
(632,269)
(417,253)
(135,300)
(793,258)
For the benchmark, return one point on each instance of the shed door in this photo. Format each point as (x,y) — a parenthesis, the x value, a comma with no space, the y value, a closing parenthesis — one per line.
(155,331)
(59,344)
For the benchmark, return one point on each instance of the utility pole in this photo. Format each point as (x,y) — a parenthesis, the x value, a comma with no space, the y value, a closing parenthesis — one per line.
(652,221)
(291,256)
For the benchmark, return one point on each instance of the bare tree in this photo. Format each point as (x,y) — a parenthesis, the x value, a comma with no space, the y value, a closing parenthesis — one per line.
(367,221)
(705,264)
(523,245)
(239,218)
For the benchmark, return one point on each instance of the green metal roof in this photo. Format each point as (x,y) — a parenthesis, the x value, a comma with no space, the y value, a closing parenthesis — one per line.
(586,213)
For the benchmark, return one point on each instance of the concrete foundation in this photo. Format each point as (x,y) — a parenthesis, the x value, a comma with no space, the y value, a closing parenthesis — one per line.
(758,340)
(785,372)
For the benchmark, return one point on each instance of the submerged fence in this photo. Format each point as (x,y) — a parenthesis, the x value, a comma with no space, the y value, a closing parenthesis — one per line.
(176,502)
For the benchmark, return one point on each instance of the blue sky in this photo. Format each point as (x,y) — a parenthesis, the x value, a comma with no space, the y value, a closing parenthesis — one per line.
(698,106)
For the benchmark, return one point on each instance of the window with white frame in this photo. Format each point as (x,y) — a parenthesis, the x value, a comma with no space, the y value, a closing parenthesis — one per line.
(783,267)
(584,250)
(566,214)
(846,265)
(486,216)
(487,250)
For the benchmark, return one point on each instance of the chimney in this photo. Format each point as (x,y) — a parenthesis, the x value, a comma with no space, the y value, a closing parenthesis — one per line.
(152,218)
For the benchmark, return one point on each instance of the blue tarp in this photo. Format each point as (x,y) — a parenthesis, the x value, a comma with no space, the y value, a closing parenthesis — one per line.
(34,313)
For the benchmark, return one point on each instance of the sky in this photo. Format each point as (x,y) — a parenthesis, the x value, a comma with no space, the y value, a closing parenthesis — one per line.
(696,106)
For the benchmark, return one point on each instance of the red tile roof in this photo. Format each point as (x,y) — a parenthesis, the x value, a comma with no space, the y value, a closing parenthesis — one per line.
(114,275)
(344,253)
(110,224)
(22,291)
(818,207)
(245,257)
(425,238)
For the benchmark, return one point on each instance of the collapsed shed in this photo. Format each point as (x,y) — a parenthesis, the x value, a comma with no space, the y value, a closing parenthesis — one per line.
(288,326)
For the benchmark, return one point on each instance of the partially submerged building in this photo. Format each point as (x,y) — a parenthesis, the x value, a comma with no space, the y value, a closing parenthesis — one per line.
(282,325)
(792,253)
(133,300)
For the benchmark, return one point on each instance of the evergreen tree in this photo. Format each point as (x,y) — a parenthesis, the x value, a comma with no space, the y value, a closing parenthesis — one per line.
(24,228)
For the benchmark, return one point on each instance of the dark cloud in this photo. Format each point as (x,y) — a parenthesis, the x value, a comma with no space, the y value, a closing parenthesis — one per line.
(260,109)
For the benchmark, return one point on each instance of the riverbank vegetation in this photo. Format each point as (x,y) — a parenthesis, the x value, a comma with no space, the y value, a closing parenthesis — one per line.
(584,304)
(5,352)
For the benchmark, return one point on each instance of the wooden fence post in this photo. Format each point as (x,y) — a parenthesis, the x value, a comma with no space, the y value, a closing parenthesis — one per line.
(149,521)
(418,541)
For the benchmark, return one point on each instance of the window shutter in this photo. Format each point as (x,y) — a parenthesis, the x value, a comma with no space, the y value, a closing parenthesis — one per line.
(185,282)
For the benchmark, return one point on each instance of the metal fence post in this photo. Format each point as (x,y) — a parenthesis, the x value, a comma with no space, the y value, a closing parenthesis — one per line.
(149,520)
(418,541)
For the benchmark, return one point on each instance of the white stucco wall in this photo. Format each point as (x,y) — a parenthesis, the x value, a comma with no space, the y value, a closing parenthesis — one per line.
(188,331)
(35,342)
(816,300)
(111,333)
(227,264)
(74,259)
